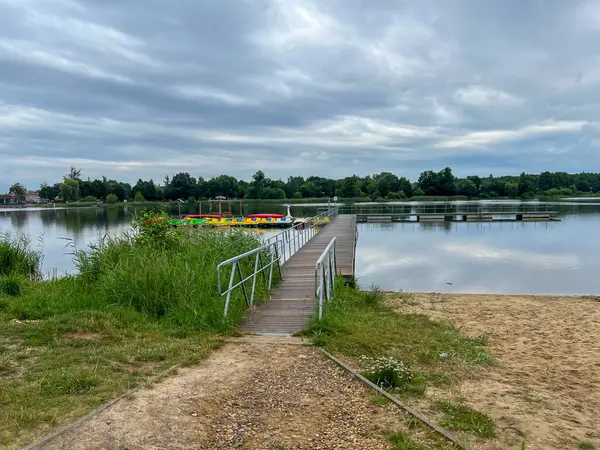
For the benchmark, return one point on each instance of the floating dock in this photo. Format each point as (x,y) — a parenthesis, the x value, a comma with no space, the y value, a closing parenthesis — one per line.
(415,217)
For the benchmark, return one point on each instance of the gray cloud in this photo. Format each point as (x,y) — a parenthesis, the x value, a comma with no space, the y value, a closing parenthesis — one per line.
(296,87)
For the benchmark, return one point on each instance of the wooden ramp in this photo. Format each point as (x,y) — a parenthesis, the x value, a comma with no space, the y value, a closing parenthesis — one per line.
(293,299)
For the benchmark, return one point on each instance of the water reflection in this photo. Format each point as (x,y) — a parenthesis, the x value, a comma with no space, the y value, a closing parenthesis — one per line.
(528,258)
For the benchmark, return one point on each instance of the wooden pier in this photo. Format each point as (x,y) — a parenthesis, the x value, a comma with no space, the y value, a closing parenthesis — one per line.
(293,299)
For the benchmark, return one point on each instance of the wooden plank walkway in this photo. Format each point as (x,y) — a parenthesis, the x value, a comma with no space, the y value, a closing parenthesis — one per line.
(293,299)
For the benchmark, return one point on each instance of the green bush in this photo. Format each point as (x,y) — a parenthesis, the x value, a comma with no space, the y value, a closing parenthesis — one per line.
(17,257)
(88,199)
(112,199)
(138,197)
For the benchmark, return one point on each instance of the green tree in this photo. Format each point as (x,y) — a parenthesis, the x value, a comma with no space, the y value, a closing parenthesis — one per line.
(446,182)
(17,189)
(349,187)
(429,183)
(387,182)
(511,189)
(69,190)
(139,197)
(310,190)
(183,185)
(405,186)
(48,192)
(74,173)
(258,184)
(477,180)
(468,188)
(527,186)
(112,199)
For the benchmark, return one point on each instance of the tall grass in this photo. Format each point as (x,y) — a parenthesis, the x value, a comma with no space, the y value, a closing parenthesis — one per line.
(168,273)
(165,275)
(17,258)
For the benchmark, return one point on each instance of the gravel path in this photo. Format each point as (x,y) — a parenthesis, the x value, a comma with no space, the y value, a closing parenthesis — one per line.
(254,393)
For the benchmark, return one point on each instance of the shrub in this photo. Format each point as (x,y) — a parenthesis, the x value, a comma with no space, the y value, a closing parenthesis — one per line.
(138,197)
(386,372)
(112,199)
(154,228)
(88,199)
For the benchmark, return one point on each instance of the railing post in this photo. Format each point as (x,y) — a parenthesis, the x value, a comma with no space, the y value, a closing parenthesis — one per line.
(321,297)
(229,290)
(271,271)
(254,278)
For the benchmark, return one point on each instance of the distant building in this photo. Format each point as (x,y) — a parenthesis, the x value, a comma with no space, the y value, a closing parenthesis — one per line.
(32,197)
(9,199)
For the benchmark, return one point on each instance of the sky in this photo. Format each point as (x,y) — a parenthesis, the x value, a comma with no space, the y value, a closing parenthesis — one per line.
(142,89)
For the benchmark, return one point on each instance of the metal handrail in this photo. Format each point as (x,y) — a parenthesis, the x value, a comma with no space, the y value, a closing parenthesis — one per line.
(325,272)
(275,250)
(270,251)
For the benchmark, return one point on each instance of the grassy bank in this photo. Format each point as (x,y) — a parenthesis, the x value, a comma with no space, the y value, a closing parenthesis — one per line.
(411,356)
(140,304)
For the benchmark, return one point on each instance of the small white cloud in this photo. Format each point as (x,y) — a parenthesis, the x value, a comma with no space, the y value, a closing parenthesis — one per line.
(481,96)
(204,92)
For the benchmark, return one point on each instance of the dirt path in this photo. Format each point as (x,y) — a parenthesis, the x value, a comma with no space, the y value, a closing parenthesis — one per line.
(547,388)
(254,393)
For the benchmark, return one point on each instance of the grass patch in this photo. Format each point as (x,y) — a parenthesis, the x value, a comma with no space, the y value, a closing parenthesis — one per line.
(139,305)
(459,417)
(358,324)
(10,285)
(587,444)
(406,354)
(403,441)
(377,399)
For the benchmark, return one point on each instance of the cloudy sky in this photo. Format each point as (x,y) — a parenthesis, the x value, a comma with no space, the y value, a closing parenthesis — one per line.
(146,88)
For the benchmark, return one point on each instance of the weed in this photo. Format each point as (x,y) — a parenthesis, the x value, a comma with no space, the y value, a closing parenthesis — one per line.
(413,422)
(587,444)
(386,372)
(459,417)
(403,441)
(379,400)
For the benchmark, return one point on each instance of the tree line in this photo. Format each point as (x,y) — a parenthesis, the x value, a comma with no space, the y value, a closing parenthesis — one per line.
(381,186)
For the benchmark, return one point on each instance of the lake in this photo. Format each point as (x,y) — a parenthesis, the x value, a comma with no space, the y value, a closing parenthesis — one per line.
(510,257)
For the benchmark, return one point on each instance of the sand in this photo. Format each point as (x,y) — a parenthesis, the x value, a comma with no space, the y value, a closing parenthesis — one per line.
(546,389)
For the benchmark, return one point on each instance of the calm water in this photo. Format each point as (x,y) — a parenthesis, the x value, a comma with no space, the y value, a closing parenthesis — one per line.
(554,257)
(529,258)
